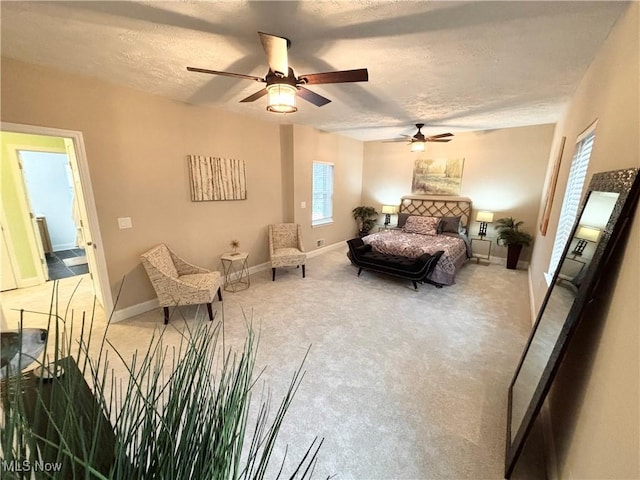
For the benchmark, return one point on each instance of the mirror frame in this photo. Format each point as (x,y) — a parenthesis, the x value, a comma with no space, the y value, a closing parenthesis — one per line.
(627,184)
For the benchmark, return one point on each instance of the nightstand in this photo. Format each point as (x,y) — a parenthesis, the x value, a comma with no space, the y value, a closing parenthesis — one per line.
(236,271)
(382,228)
(481,249)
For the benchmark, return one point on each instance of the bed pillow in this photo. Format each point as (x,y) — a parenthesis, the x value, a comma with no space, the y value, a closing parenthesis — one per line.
(421,225)
(402,219)
(449,225)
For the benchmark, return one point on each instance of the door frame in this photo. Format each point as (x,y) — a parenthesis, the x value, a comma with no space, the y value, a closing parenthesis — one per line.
(82,165)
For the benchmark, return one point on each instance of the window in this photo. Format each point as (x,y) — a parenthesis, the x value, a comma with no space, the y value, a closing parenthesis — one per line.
(572,195)
(322,208)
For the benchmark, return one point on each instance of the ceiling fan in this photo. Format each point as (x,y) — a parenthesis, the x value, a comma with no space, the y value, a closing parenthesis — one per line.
(282,85)
(418,141)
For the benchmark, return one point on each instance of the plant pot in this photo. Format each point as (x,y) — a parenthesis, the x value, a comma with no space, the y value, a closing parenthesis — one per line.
(513,254)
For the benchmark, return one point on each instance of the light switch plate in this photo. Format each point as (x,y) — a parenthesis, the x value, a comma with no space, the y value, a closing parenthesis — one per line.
(125,222)
(303,204)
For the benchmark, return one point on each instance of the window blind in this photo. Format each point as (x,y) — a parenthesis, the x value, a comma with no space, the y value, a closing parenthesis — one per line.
(322,201)
(572,197)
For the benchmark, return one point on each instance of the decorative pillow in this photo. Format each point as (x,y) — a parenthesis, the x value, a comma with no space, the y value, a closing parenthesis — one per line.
(402,219)
(422,225)
(449,225)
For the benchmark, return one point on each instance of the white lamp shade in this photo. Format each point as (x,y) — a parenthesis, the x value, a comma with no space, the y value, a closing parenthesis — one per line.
(389,209)
(588,233)
(282,98)
(484,217)
(417,146)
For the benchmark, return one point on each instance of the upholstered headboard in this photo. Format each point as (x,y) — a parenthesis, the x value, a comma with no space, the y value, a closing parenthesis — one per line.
(437,206)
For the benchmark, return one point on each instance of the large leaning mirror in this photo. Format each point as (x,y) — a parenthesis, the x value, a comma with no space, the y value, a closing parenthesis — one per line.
(602,219)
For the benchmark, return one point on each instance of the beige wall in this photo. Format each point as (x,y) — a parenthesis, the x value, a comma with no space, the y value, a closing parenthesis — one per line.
(503,172)
(136,147)
(595,401)
(311,145)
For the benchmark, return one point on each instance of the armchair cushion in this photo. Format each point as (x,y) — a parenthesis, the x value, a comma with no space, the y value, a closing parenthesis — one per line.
(287,257)
(285,245)
(176,281)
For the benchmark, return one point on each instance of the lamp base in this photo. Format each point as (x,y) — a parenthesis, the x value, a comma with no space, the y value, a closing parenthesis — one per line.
(387,219)
(581,245)
(483,229)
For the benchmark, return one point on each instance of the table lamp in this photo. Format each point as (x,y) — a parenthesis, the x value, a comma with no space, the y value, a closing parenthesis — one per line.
(584,235)
(388,210)
(484,218)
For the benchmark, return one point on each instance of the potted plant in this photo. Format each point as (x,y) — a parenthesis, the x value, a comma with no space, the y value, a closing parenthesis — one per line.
(509,234)
(85,422)
(365,217)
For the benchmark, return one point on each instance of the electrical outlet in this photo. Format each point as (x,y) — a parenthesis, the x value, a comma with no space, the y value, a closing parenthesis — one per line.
(320,242)
(303,204)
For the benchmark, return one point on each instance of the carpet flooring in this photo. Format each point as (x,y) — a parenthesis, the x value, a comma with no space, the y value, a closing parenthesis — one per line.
(401,384)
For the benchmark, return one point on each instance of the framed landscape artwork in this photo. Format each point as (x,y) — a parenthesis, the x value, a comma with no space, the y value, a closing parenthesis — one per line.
(439,176)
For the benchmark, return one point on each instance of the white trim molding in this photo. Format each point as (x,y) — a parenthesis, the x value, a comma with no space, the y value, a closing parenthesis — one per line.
(139,308)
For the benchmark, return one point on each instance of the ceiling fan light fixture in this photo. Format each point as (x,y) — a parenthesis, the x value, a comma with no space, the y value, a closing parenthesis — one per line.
(282,98)
(417,146)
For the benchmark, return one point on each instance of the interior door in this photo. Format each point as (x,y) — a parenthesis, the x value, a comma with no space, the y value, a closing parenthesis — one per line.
(8,280)
(41,260)
(82,221)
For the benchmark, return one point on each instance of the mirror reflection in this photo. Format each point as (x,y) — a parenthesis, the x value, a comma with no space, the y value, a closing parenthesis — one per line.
(572,270)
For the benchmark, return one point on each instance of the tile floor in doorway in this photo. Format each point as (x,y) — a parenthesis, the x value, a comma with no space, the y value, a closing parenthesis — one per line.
(57,267)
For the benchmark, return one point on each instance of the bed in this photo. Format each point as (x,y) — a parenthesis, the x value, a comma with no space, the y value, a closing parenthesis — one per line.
(427,224)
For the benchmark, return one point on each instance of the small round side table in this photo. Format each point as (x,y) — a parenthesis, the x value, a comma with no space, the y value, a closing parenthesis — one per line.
(236,271)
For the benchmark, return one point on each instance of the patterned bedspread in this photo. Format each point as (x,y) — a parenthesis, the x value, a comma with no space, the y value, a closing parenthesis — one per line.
(397,242)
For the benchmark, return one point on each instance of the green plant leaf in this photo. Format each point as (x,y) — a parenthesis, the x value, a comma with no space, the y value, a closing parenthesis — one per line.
(193,424)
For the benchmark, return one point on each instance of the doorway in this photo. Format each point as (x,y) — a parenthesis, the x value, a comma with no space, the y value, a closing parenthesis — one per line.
(49,187)
(28,230)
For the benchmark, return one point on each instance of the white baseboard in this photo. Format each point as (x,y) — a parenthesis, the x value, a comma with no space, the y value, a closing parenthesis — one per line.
(64,246)
(261,267)
(133,310)
(532,304)
(327,248)
(522,265)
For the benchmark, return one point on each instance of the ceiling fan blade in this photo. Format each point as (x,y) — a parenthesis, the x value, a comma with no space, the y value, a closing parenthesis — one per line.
(343,76)
(276,50)
(226,74)
(437,139)
(255,96)
(442,135)
(309,96)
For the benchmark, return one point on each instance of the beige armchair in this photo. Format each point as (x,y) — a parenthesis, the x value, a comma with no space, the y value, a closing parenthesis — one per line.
(178,282)
(285,247)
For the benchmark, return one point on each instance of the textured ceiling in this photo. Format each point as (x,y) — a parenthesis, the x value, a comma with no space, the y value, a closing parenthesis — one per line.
(455,66)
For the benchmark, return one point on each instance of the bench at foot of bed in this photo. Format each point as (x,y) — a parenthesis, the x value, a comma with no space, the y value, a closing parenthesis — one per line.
(414,269)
